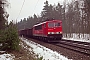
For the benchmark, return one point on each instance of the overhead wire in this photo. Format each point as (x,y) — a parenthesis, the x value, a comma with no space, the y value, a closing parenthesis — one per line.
(20,10)
(35,7)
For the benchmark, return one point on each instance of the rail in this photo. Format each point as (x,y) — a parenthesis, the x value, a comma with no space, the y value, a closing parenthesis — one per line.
(80,47)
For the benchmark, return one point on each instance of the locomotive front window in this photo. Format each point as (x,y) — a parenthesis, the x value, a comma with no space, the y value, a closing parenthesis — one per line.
(57,24)
(50,25)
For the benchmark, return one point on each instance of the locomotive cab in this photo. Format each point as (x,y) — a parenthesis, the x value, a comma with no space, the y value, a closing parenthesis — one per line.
(55,29)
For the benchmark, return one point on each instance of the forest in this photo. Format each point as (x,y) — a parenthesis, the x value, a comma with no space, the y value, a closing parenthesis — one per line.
(75,16)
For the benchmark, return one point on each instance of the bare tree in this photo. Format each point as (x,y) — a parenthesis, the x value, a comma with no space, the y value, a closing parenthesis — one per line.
(3,13)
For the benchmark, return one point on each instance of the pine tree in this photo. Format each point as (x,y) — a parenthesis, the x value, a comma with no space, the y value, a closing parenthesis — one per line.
(10,39)
(45,12)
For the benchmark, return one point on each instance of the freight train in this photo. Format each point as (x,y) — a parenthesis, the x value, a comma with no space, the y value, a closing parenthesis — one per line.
(50,30)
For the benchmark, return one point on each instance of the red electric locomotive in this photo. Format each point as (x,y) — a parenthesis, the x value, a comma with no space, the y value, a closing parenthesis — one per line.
(48,30)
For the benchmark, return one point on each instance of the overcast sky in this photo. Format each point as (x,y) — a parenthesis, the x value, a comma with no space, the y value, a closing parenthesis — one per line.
(30,7)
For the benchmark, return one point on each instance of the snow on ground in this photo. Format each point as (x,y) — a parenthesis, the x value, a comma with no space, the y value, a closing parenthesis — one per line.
(77,37)
(83,40)
(44,52)
(6,57)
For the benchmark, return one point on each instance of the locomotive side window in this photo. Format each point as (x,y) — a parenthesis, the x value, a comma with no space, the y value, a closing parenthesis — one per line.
(44,25)
(57,24)
(38,27)
(50,25)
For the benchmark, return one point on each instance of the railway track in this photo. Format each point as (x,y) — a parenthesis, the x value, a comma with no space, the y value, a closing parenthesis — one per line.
(77,46)
(72,49)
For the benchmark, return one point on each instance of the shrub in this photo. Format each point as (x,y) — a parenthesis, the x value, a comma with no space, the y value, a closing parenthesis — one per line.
(9,38)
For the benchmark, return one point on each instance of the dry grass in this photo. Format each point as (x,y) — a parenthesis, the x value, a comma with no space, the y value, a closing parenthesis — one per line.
(23,54)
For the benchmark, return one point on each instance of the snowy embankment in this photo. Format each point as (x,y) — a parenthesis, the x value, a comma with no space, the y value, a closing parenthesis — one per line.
(6,56)
(42,51)
(77,37)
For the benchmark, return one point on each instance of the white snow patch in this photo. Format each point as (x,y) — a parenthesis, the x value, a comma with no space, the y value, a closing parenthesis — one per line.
(77,37)
(2,51)
(83,40)
(6,57)
(44,52)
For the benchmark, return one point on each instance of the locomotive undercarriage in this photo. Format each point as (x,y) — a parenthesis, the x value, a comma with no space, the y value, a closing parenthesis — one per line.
(50,38)
(55,36)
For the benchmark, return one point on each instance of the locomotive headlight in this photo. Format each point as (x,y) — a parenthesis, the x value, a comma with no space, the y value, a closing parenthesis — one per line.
(57,33)
(48,32)
(60,32)
(52,32)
